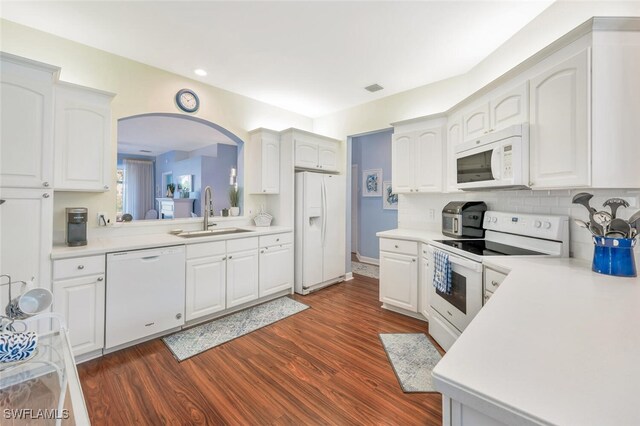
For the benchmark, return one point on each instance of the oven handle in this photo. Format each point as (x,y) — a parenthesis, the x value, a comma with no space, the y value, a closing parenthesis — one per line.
(456,260)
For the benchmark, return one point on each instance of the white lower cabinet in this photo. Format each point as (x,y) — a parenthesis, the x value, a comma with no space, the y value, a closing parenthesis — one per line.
(399,280)
(242,277)
(276,269)
(206,286)
(79,296)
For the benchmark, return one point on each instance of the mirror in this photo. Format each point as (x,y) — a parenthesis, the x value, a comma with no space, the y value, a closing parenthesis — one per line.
(165,161)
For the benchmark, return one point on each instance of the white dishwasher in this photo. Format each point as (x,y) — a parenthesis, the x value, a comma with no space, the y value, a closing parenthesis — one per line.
(145,293)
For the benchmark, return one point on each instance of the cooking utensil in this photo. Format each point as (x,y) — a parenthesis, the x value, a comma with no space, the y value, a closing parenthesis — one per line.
(621,226)
(602,219)
(581,223)
(595,230)
(633,220)
(616,234)
(583,199)
(614,204)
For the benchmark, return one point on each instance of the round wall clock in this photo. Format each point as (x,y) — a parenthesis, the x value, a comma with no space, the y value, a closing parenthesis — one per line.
(187,100)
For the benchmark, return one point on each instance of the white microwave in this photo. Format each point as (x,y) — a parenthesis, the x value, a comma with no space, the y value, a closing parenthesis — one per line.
(498,160)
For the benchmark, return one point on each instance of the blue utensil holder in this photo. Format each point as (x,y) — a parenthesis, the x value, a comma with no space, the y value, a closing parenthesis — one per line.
(614,256)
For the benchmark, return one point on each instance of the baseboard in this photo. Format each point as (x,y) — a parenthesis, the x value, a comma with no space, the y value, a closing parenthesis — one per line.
(348,276)
(369,260)
(404,312)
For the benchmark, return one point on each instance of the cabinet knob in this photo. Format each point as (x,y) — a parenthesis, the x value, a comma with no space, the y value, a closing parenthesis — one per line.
(100,279)
(178,316)
(230,257)
(396,246)
(80,266)
(417,190)
(264,190)
(106,187)
(45,184)
(277,239)
(411,190)
(261,251)
(45,195)
(224,258)
(413,260)
(494,283)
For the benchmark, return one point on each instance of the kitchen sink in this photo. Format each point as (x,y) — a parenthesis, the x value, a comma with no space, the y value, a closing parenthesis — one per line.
(212,232)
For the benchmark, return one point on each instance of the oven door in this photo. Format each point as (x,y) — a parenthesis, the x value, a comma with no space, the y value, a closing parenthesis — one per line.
(465,300)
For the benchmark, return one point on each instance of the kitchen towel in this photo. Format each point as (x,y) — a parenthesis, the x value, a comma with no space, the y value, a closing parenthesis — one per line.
(442,272)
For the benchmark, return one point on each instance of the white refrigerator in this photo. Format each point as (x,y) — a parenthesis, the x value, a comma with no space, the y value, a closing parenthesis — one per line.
(320,230)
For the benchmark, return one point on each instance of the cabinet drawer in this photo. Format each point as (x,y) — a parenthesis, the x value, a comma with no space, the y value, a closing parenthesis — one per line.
(493,279)
(195,251)
(276,239)
(242,244)
(78,267)
(399,246)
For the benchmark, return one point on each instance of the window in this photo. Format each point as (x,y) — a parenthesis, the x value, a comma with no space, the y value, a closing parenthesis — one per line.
(119,190)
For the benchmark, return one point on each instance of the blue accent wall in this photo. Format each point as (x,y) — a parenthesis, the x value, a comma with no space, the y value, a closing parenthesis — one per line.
(372,151)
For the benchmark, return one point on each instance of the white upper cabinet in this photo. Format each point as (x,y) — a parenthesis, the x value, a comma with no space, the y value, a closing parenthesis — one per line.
(428,157)
(263,159)
(82,138)
(417,161)
(559,127)
(510,108)
(476,122)
(402,162)
(26,114)
(454,137)
(496,112)
(316,153)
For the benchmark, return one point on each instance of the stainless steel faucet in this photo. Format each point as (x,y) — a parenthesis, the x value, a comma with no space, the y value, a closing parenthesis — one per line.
(208,206)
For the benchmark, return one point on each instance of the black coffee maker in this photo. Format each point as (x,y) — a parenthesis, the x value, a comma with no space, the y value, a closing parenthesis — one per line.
(76,218)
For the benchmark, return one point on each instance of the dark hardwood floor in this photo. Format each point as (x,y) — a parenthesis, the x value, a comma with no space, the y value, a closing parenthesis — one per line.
(325,365)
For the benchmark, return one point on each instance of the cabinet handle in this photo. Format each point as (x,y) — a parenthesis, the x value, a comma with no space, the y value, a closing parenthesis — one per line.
(230,257)
(80,267)
(100,279)
(224,258)
(413,260)
(396,246)
(106,187)
(45,184)
(277,239)
(45,195)
(261,251)
(411,190)
(264,190)
(494,283)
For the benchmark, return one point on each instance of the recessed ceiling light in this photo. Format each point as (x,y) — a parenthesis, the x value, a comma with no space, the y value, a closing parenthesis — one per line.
(373,88)
(200,72)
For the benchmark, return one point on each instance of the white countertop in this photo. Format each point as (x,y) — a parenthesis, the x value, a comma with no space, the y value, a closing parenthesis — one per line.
(556,344)
(97,246)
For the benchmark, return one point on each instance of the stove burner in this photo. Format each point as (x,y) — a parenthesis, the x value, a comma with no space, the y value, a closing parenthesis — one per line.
(488,248)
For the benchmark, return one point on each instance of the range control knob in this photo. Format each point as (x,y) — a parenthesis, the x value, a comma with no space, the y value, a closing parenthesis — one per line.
(537,224)
(546,225)
(494,219)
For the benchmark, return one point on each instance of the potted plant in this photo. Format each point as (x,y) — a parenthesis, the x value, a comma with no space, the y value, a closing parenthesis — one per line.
(234,200)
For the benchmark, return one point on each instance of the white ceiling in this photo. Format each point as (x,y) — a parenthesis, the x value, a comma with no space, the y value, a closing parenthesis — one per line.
(313,58)
(160,134)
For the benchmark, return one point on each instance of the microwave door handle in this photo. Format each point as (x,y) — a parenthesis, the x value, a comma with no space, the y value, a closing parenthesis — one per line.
(496,166)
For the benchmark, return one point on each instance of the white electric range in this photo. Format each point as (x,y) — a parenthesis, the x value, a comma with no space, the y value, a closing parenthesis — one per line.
(506,234)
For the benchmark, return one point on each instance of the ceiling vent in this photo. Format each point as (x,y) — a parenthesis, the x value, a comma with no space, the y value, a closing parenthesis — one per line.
(373,88)
(146,151)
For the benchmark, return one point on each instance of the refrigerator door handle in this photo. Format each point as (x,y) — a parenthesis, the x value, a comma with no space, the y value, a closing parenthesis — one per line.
(324,211)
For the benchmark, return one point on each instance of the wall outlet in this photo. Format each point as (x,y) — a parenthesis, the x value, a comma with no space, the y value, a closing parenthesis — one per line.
(432,214)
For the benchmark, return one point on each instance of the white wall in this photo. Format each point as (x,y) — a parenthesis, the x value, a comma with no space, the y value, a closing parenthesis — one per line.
(413,212)
(139,89)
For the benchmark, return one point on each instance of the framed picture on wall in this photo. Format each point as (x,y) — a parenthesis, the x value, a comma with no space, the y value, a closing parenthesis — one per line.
(389,199)
(372,183)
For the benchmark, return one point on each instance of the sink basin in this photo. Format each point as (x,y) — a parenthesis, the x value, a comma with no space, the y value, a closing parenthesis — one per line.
(212,232)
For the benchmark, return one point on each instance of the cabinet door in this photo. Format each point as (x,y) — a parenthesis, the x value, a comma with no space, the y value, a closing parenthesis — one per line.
(454,137)
(510,108)
(306,155)
(559,132)
(26,114)
(402,152)
(81,302)
(399,280)
(26,228)
(276,269)
(270,166)
(428,160)
(82,140)
(328,156)
(242,277)
(205,289)
(476,122)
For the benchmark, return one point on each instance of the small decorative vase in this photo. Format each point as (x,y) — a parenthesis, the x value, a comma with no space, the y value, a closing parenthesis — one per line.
(235,211)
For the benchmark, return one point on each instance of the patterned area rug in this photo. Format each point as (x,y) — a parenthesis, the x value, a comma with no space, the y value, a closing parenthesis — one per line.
(412,357)
(190,342)
(365,269)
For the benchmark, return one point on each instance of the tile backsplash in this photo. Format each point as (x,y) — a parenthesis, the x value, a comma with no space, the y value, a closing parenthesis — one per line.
(414,210)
